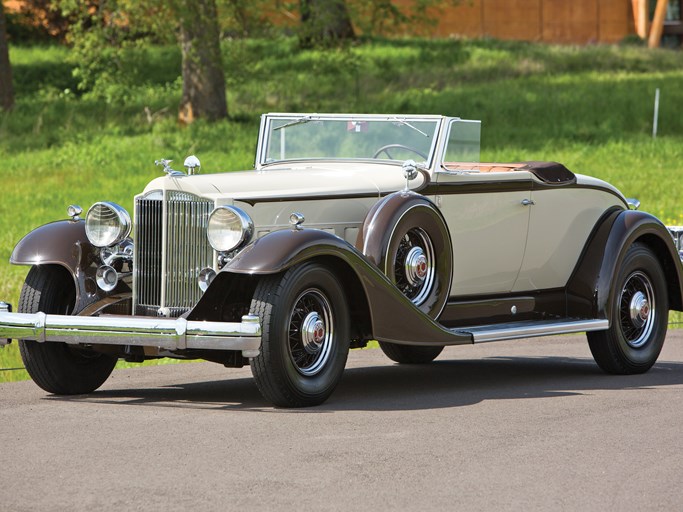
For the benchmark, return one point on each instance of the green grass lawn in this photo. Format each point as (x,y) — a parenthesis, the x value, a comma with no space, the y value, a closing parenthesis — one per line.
(590,108)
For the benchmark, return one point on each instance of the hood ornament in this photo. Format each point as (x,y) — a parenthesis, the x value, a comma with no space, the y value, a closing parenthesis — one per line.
(166,164)
(191,164)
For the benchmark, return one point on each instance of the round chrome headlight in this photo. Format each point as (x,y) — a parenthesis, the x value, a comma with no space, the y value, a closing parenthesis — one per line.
(107,224)
(229,227)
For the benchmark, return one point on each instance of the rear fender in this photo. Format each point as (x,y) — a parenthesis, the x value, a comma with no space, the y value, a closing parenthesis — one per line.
(392,316)
(590,290)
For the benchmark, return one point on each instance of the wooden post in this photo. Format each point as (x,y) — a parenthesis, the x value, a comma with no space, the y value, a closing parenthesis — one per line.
(640,17)
(657,24)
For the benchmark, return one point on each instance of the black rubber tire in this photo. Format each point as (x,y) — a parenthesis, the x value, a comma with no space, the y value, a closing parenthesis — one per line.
(57,367)
(279,379)
(611,348)
(409,354)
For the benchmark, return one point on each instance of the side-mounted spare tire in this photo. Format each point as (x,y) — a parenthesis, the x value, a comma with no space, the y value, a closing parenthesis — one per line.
(406,236)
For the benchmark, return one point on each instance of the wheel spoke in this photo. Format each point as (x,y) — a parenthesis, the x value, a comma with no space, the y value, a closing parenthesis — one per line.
(414,265)
(637,309)
(310,332)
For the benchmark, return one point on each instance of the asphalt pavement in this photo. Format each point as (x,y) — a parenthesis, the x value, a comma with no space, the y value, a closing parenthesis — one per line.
(519,425)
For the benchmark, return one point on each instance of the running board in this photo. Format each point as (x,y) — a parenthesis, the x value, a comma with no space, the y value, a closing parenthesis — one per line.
(516,330)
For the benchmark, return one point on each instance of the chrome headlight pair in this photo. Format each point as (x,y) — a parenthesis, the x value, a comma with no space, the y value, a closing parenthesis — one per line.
(228,228)
(107,224)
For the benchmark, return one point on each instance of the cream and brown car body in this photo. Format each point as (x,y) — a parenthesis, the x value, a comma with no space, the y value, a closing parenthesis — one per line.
(428,246)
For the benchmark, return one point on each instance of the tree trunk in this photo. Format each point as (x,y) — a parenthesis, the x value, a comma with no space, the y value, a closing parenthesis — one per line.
(203,78)
(324,22)
(6,89)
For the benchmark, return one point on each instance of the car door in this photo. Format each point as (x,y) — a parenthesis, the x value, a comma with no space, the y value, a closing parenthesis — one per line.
(488,217)
(561,220)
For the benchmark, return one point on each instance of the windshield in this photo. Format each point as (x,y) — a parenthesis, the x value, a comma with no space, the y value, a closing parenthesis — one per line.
(348,137)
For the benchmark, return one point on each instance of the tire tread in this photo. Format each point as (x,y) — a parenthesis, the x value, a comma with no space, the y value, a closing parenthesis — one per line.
(270,376)
(47,362)
(271,386)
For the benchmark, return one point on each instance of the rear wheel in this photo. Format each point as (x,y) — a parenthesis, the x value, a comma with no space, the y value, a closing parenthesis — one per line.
(638,317)
(57,367)
(409,354)
(305,335)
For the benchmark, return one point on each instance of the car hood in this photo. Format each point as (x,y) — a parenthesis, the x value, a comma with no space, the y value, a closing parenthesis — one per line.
(291,182)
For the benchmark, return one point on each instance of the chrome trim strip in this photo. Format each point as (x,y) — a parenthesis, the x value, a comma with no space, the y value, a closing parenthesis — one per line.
(167,333)
(164,244)
(514,331)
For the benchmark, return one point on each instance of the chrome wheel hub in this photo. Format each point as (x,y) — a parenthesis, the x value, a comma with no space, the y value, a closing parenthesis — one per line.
(637,309)
(416,266)
(413,266)
(640,309)
(312,332)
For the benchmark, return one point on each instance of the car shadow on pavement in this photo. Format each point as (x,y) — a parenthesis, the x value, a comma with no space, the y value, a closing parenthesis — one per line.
(466,382)
(441,384)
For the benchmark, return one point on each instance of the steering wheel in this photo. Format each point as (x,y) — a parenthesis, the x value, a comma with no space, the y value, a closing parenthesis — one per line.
(385,149)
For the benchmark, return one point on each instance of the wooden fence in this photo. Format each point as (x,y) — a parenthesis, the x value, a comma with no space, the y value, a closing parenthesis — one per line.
(553,21)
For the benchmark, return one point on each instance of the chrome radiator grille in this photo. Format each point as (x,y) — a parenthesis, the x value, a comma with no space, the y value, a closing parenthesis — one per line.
(171,249)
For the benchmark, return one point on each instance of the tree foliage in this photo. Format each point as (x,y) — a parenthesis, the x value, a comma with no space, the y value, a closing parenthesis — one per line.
(324,23)
(255,18)
(104,36)
(108,38)
(42,20)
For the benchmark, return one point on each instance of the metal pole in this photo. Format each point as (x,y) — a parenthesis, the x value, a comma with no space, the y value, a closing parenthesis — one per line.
(656,116)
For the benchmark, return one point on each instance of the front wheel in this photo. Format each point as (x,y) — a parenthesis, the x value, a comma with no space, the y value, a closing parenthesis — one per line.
(305,335)
(57,367)
(638,317)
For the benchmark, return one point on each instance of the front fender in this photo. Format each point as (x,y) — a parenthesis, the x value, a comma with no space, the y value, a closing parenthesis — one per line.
(64,243)
(393,317)
(279,250)
(605,252)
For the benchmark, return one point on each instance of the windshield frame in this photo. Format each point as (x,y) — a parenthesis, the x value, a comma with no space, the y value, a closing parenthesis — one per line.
(298,118)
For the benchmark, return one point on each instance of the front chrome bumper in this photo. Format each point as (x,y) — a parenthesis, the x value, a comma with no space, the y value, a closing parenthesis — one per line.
(166,333)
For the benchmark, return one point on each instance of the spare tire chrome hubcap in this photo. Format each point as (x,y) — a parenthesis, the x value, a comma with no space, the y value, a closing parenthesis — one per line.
(416,266)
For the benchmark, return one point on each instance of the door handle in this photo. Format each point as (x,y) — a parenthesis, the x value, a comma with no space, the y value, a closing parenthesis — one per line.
(528,202)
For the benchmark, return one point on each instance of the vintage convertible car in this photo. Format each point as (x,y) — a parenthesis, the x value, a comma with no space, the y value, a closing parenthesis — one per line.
(351,228)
